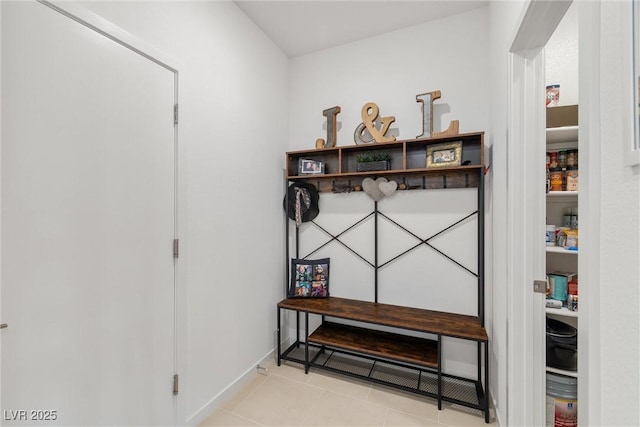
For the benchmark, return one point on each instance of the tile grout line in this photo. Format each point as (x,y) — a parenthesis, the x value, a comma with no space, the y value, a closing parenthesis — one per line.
(247,397)
(241,417)
(313,406)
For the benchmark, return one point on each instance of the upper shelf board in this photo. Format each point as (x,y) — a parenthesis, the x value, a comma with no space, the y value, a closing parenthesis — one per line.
(562,134)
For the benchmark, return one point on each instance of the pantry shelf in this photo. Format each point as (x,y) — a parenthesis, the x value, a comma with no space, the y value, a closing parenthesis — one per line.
(573,374)
(560,250)
(562,194)
(564,311)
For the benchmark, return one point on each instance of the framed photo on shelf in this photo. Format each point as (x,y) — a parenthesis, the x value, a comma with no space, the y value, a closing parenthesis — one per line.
(309,278)
(444,155)
(310,167)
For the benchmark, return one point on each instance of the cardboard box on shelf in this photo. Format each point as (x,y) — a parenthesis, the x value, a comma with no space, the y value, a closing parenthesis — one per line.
(566,115)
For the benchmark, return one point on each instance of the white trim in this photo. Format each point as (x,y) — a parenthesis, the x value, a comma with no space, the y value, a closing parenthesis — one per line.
(526,219)
(111,31)
(1,151)
(537,23)
(589,201)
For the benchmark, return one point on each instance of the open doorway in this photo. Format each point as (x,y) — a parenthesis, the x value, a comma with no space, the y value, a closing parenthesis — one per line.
(561,366)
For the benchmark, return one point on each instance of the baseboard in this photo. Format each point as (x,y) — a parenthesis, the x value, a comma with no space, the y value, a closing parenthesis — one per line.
(210,407)
(495,411)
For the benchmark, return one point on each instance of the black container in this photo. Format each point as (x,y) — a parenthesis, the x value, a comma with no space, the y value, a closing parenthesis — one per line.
(562,345)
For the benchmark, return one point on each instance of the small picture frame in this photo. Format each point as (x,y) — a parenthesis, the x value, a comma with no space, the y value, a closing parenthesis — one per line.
(309,278)
(444,155)
(310,167)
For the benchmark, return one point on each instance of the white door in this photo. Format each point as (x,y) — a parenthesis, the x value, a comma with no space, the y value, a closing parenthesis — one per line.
(87,226)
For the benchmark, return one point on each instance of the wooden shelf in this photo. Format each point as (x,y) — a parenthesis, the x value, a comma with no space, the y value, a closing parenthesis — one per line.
(408,163)
(435,322)
(417,351)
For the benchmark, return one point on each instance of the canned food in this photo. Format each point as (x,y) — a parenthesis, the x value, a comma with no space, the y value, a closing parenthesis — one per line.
(562,159)
(555,177)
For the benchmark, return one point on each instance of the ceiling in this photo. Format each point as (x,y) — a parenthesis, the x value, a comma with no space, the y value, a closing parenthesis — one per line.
(306,26)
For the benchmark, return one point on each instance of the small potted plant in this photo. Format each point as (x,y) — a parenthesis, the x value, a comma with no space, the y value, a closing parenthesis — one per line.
(377,161)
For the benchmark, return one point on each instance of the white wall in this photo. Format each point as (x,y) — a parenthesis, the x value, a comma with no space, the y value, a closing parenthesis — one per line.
(619,221)
(561,58)
(450,55)
(233,121)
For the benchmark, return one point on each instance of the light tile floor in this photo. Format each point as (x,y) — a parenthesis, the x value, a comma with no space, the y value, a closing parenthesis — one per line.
(285,396)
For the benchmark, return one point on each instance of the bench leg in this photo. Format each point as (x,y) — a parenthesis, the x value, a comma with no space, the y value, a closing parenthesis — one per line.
(486,382)
(439,372)
(306,342)
(278,336)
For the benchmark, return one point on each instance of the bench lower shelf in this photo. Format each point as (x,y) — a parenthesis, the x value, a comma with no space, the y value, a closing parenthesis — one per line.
(414,379)
(402,348)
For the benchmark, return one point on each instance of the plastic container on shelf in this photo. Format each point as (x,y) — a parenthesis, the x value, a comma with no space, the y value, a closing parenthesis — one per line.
(550,239)
(558,284)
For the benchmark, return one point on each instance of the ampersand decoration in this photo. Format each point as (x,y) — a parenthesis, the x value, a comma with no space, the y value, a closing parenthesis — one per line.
(369,113)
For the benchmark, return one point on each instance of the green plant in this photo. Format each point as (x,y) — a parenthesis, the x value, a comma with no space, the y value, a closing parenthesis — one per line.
(373,157)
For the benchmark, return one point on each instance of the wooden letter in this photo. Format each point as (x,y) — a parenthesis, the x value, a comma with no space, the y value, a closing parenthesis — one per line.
(332,130)
(427,117)
(426,99)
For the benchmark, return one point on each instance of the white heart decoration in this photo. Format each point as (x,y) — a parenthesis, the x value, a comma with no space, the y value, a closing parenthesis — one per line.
(372,188)
(388,188)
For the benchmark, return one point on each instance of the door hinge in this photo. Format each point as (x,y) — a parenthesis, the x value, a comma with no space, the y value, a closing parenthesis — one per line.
(175,385)
(176,248)
(175,114)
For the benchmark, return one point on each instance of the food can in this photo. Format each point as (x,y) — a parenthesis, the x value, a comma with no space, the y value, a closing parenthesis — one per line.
(551,235)
(562,159)
(555,176)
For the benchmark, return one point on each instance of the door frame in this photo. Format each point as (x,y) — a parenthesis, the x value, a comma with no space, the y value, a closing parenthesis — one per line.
(107,29)
(526,215)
